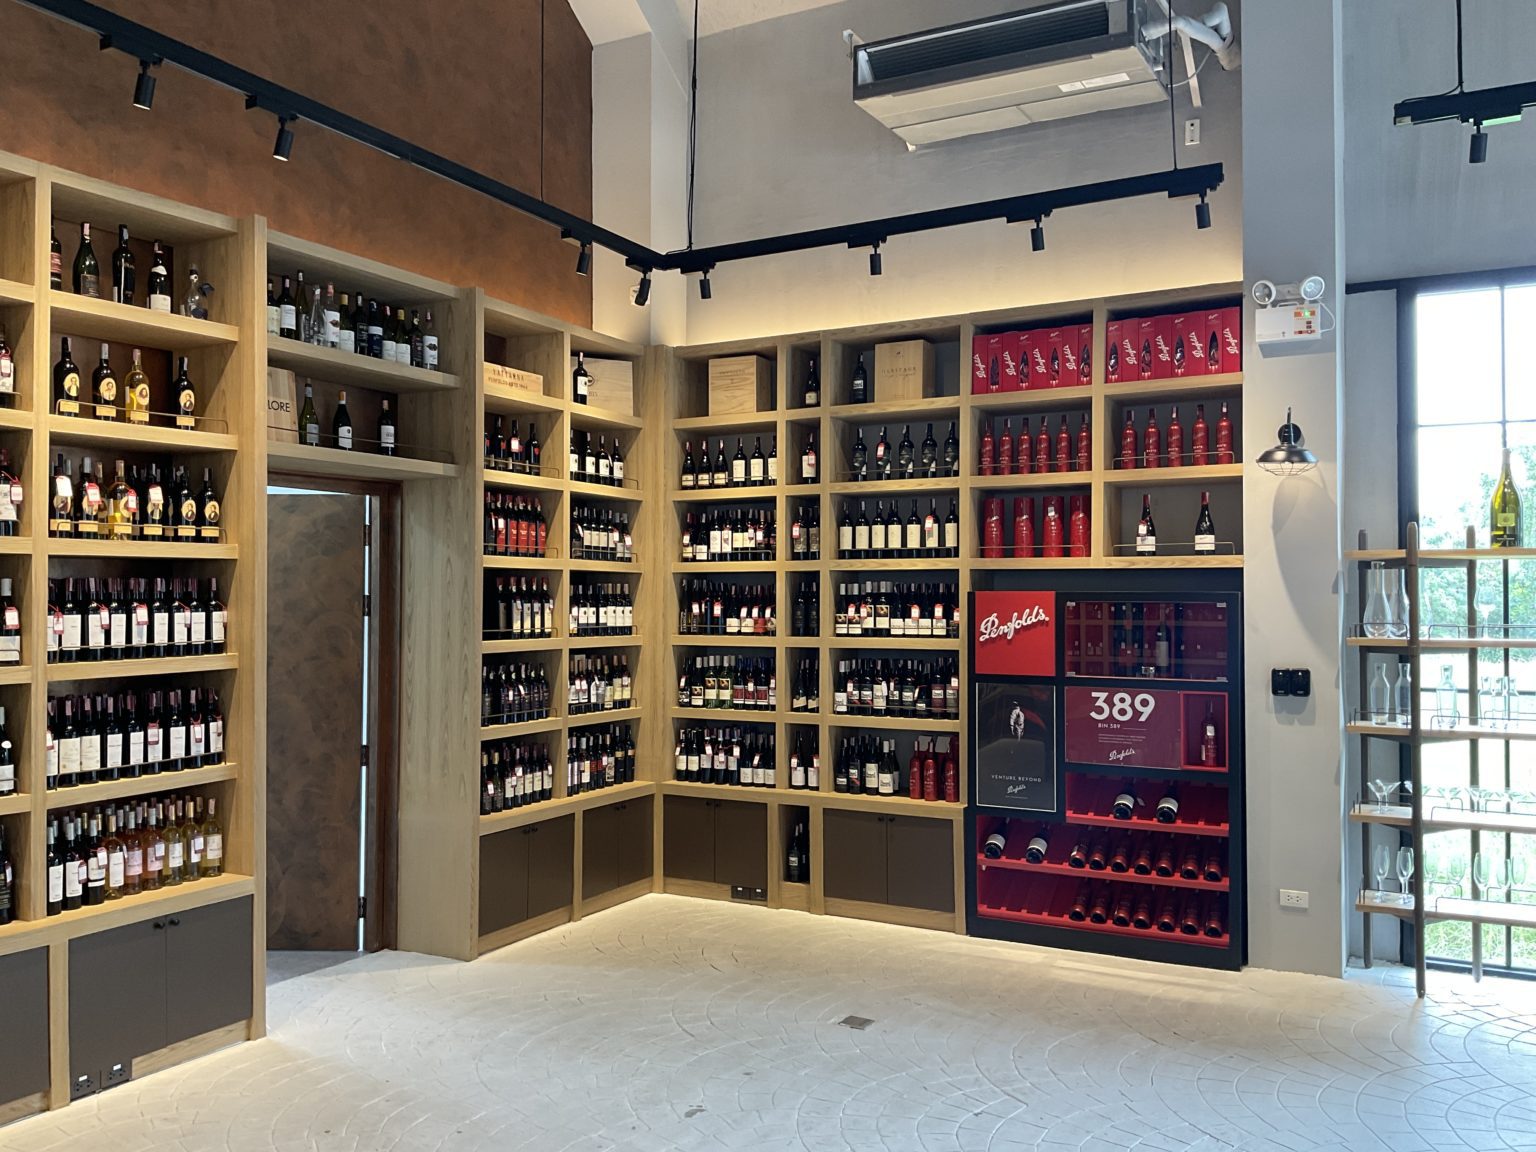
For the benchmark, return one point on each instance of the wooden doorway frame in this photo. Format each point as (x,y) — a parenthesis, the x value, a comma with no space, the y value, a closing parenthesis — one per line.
(383,680)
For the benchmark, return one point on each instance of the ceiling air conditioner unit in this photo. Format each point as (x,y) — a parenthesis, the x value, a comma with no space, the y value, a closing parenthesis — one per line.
(1071,58)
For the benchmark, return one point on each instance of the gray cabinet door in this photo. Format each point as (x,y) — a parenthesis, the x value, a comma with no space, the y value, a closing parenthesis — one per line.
(503,879)
(599,851)
(208,969)
(117,983)
(23,1024)
(922,863)
(853,851)
(551,858)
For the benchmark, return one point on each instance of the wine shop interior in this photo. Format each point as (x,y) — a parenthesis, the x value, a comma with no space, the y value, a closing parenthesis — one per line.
(659,574)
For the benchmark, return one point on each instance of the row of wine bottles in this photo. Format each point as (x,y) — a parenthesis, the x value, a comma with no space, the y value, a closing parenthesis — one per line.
(722,535)
(601,532)
(1147,450)
(1146,529)
(922,689)
(133,618)
(1006,456)
(728,681)
(1143,854)
(599,684)
(513,691)
(737,471)
(7,882)
(805,532)
(805,685)
(94,857)
(506,451)
(888,537)
(904,460)
(729,756)
(602,609)
(1058,535)
(514,774)
(868,764)
(514,525)
(1137,906)
(343,435)
(134,505)
(518,608)
(599,758)
(94,738)
(596,463)
(711,608)
(85,273)
(805,607)
(132,399)
(350,323)
(885,608)
(7,758)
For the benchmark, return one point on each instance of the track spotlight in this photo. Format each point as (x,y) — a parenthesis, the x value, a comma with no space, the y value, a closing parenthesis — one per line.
(584,260)
(874,259)
(706,292)
(144,88)
(1037,236)
(643,292)
(1202,213)
(284,144)
(1479,152)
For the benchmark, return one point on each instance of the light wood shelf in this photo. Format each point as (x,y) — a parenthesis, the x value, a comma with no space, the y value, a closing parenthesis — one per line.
(136,437)
(579,643)
(1030,400)
(1175,387)
(921,410)
(79,670)
(523,563)
(351,369)
(893,723)
(1165,477)
(868,802)
(608,716)
(307,460)
(140,549)
(730,495)
(629,494)
(586,416)
(874,489)
(17,802)
(19,418)
(16,674)
(87,795)
(714,640)
(522,481)
(490,732)
(521,644)
(124,324)
(15,292)
(1443,819)
(563,805)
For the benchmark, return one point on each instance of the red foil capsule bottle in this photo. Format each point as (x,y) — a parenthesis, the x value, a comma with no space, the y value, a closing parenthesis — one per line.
(1078,535)
(987,450)
(930,775)
(992,527)
(1063,447)
(1200,439)
(1005,450)
(1224,437)
(1022,446)
(1052,532)
(1084,445)
(1128,444)
(1175,440)
(951,776)
(1153,441)
(915,774)
(1023,526)
(1043,447)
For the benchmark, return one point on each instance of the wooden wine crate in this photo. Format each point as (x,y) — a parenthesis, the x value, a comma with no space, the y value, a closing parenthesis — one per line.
(612,385)
(282,406)
(513,379)
(903,370)
(739,385)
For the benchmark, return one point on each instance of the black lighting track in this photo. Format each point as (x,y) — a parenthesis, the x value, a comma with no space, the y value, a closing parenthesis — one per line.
(146,44)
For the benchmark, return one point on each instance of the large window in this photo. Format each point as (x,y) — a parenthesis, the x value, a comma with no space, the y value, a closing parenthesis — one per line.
(1470,392)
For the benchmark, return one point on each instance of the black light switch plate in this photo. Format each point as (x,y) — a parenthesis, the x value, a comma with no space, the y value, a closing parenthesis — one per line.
(1301,681)
(1280,682)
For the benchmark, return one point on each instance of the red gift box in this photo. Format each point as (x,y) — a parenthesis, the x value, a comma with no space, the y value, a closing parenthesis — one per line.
(1226,334)
(979,364)
(1188,344)
(1084,356)
(1012,360)
(1056,341)
(1153,359)
(1116,368)
(1038,344)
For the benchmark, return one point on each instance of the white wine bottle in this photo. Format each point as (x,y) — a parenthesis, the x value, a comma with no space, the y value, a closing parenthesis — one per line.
(1504,522)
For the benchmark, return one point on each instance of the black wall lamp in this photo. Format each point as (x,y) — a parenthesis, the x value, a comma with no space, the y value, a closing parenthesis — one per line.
(1290,457)
(144,86)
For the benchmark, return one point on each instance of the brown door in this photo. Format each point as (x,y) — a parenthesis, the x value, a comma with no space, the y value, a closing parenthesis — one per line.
(853,853)
(636,859)
(741,843)
(551,853)
(599,850)
(315,684)
(688,838)
(504,879)
(922,863)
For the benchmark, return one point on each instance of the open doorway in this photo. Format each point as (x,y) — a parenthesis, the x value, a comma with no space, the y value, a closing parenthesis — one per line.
(331,640)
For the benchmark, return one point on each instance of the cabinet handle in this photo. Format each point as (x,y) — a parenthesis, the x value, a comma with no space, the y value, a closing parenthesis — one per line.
(159,926)
(175,923)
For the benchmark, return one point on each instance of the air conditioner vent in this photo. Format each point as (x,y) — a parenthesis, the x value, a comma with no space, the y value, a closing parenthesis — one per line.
(990,41)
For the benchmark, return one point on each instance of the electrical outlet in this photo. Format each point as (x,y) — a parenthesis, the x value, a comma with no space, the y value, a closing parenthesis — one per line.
(1292,898)
(1192,131)
(117,1074)
(742,892)
(82,1086)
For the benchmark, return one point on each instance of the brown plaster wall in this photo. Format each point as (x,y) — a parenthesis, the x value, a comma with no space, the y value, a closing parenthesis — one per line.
(503,86)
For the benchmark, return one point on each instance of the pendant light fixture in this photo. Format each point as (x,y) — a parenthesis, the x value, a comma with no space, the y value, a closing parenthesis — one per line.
(1290,457)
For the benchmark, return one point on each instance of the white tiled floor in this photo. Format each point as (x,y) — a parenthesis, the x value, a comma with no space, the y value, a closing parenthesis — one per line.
(683,1024)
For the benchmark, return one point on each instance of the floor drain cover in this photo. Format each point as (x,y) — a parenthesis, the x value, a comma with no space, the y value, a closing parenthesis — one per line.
(857,1023)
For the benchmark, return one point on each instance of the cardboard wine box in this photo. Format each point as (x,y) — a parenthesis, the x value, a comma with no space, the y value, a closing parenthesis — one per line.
(740,385)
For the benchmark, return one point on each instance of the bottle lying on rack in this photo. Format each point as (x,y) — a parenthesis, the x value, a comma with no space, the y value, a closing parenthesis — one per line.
(598,758)
(805,688)
(599,532)
(1142,854)
(805,761)
(97,737)
(710,608)
(513,692)
(593,462)
(722,535)
(888,537)
(924,689)
(599,684)
(134,505)
(727,756)
(143,846)
(514,774)
(805,610)
(518,608)
(1135,906)
(869,764)
(715,681)
(116,618)
(886,608)
(515,525)
(805,533)
(510,452)
(738,470)
(602,610)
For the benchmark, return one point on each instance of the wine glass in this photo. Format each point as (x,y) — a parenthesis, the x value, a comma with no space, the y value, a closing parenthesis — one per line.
(1453,873)
(1482,873)
(1517,873)
(1405,872)
(1381,789)
(1381,864)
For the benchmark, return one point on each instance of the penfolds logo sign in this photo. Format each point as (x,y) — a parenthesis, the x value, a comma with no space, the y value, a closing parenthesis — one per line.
(995,628)
(1011,368)
(1162,348)
(1229,338)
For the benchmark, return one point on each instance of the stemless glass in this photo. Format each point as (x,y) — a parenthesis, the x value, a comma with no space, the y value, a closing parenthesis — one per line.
(1376,615)
(1379,696)
(1381,864)
(1402,693)
(1396,589)
(1405,872)
(1447,699)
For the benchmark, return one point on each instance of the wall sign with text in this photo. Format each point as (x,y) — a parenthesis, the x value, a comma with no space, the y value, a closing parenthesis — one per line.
(1013,746)
(1015,634)
(1133,727)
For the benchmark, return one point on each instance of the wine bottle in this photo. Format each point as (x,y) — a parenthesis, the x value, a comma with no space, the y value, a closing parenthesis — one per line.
(87,273)
(66,382)
(136,391)
(859,391)
(429,343)
(1123,807)
(1167,810)
(186,396)
(1205,527)
(1504,520)
(386,430)
(341,423)
(122,268)
(158,288)
(7,372)
(1146,530)
(55,260)
(104,387)
(810,396)
(1224,454)
(993,848)
(287,312)
(581,380)
(1034,852)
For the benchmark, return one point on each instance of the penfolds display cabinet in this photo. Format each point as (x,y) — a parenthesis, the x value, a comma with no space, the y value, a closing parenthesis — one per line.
(1106,800)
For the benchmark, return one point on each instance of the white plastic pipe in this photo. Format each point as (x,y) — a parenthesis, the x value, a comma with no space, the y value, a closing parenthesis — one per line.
(1214,29)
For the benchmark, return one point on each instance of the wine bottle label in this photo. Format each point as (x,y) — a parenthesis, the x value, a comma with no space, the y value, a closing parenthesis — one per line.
(288,316)
(1145,542)
(178,743)
(344,436)
(388,347)
(161,628)
(218,618)
(55,883)
(181,626)
(7,374)
(199,628)
(74,881)
(153,743)
(1205,543)
(176,854)
(119,630)
(429,350)
(116,869)
(159,302)
(10,647)
(135,747)
(96,631)
(216,737)
(90,285)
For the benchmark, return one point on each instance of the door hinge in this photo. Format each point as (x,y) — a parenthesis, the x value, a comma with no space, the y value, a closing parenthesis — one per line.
(365,756)
(367,604)
(362,907)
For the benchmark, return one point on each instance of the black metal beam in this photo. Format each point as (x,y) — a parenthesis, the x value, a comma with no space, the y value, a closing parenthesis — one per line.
(144,43)
(1485,105)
